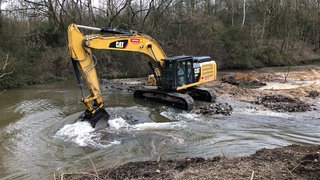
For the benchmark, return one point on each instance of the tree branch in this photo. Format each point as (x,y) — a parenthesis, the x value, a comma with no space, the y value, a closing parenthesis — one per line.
(34,3)
(5,66)
(2,92)
(118,12)
(6,63)
(7,73)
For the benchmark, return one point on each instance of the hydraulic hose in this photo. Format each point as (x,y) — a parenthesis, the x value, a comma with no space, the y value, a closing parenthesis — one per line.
(76,70)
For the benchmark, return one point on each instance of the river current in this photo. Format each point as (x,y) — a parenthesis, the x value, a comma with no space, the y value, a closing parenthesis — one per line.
(40,134)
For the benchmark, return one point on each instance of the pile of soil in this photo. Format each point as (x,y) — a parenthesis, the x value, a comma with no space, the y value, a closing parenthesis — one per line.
(290,162)
(212,109)
(313,94)
(242,79)
(283,103)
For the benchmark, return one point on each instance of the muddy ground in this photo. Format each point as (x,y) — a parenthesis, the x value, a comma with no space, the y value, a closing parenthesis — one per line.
(290,162)
(291,90)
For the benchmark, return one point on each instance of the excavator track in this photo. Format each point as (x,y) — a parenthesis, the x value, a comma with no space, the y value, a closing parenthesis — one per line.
(175,99)
(201,94)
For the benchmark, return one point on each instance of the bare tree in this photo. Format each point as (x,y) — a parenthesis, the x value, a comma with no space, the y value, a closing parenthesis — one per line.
(112,9)
(90,11)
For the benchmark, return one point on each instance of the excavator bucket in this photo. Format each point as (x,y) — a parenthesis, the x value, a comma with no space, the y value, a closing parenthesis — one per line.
(100,114)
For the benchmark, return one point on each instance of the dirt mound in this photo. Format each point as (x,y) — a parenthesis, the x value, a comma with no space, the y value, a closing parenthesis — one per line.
(283,103)
(290,162)
(212,109)
(296,162)
(241,79)
(313,94)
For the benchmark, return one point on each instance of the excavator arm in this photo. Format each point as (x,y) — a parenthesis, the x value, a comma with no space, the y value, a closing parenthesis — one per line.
(83,62)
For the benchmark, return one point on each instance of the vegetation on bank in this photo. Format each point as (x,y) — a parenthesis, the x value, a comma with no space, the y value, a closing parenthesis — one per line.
(238,34)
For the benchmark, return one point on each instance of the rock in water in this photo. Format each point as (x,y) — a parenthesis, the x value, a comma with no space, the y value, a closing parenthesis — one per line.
(283,103)
(212,109)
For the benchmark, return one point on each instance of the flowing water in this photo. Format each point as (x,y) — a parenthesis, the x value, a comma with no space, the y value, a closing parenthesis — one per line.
(40,134)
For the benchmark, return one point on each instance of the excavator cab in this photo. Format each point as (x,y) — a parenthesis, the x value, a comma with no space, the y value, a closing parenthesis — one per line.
(177,71)
(180,71)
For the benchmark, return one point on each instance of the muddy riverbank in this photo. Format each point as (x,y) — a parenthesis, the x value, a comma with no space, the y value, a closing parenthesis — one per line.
(290,162)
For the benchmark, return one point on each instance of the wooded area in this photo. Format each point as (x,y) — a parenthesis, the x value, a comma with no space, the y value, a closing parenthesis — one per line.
(236,33)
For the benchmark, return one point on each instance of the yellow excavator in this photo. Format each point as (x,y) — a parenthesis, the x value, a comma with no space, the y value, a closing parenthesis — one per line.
(175,79)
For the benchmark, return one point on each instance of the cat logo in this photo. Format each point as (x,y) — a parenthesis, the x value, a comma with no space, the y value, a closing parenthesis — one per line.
(119,44)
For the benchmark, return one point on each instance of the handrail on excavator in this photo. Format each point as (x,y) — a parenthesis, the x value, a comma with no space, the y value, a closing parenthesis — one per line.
(107,30)
(88,27)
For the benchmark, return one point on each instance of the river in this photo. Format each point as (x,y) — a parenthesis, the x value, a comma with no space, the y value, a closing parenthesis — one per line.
(40,134)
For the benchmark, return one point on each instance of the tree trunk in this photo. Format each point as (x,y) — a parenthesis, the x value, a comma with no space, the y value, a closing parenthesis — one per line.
(91,14)
(53,20)
(244,14)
